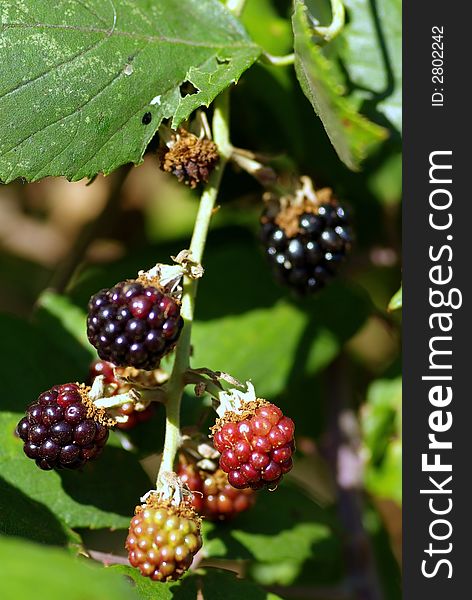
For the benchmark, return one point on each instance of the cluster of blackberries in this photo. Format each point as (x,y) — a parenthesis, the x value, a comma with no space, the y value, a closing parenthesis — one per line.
(256,445)
(307,246)
(163,539)
(212,495)
(132,324)
(129,416)
(59,430)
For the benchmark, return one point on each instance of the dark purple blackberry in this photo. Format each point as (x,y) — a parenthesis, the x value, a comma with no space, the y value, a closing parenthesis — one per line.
(306,245)
(62,430)
(133,325)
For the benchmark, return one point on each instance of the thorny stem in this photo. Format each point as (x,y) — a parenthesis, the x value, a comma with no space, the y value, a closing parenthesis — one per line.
(176,382)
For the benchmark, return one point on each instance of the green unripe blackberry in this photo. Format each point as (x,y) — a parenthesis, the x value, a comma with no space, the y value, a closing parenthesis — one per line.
(163,539)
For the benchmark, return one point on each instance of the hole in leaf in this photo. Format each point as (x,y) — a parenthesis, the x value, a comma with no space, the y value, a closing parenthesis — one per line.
(188,89)
(223,61)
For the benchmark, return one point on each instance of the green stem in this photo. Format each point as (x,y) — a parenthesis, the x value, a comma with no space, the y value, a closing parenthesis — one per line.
(176,383)
(278,61)
(337,22)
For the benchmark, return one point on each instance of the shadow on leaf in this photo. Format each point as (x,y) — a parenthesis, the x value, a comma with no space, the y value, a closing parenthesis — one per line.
(26,518)
(113,483)
(282,525)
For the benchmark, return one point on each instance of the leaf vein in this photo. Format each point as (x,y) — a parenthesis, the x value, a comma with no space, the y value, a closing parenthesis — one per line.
(130,34)
(91,11)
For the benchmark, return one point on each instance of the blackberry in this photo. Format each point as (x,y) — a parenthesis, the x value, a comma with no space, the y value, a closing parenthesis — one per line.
(127,415)
(306,243)
(256,445)
(213,497)
(163,539)
(63,429)
(132,324)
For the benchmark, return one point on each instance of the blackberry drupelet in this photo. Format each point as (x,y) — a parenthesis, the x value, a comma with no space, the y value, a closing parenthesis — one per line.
(62,430)
(132,324)
(256,445)
(163,539)
(307,243)
(213,497)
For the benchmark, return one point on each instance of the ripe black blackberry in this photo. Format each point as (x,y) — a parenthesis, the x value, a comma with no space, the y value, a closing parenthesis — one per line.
(133,324)
(63,429)
(306,241)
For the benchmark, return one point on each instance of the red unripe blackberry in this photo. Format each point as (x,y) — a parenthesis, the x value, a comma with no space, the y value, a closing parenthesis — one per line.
(213,497)
(134,417)
(63,429)
(307,242)
(163,539)
(256,445)
(129,417)
(133,324)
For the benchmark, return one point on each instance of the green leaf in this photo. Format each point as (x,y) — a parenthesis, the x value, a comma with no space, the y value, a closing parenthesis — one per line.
(381,426)
(24,517)
(396,301)
(64,322)
(208,583)
(386,181)
(72,319)
(82,75)
(300,531)
(33,363)
(239,345)
(352,135)
(266,27)
(103,494)
(371,49)
(48,574)
(248,326)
